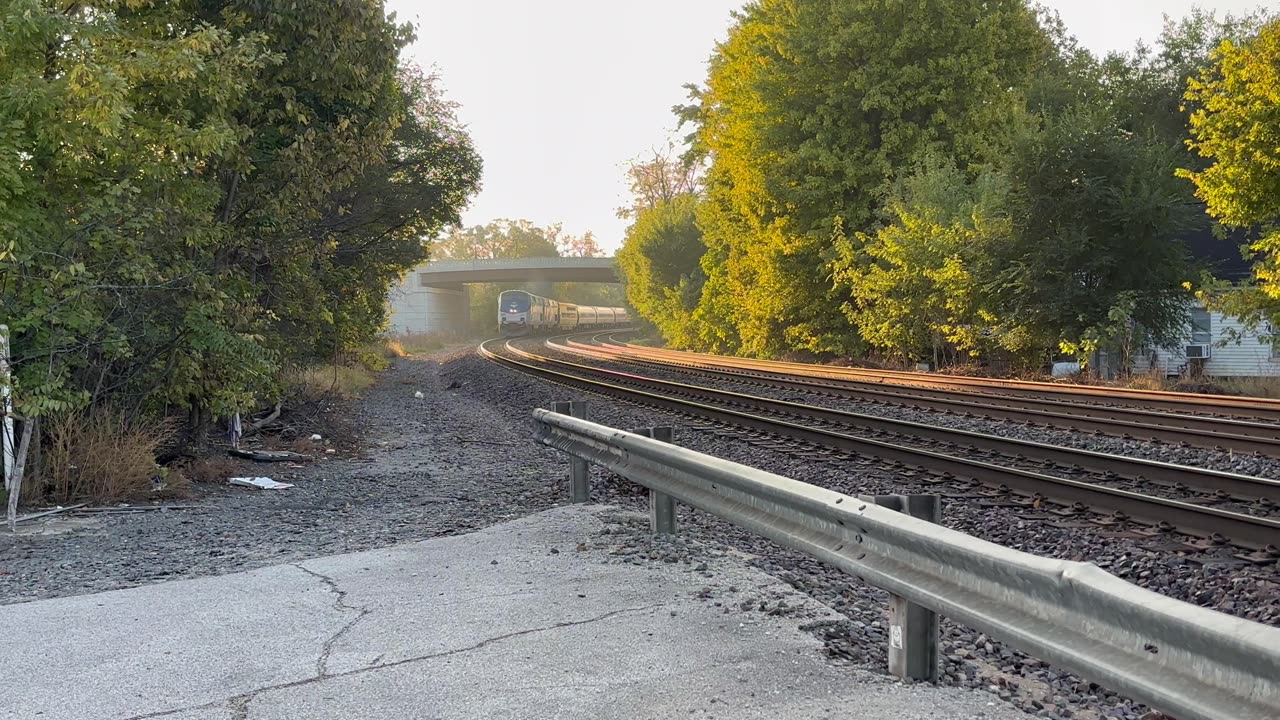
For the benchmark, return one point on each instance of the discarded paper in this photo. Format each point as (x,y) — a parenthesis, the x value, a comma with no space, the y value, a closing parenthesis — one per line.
(262,483)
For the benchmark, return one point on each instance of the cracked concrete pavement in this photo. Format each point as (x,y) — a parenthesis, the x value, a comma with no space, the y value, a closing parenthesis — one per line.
(521,620)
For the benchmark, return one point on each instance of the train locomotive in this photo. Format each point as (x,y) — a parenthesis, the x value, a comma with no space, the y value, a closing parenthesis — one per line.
(522,313)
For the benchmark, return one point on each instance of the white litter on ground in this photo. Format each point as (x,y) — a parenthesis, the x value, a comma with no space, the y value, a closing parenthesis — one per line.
(262,483)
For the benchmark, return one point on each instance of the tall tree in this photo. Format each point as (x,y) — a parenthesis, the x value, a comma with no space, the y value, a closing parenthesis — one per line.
(660,177)
(1097,212)
(810,108)
(377,225)
(659,264)
(1237,129)
(185,210)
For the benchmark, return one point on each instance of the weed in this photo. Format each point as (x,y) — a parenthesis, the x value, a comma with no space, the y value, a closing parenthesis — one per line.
(102,455)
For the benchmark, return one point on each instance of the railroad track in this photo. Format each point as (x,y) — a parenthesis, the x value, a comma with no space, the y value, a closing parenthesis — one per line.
(1220,406)
(1234,435)
(829,432)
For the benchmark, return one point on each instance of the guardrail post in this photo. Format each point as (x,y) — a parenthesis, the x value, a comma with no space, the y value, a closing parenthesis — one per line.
(662,507)
(913,629)
(579,470)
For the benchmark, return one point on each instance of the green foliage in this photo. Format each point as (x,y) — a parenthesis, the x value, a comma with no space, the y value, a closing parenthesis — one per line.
(915,284)
(961,180)
(1237,128)
(196,192)
(1096,213)
(809,111)
(659,262)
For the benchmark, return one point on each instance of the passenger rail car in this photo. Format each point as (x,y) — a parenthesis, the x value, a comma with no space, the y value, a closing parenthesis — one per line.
(522,313)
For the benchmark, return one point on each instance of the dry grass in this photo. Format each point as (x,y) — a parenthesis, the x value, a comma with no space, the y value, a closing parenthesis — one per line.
(103,456)
(1147,381)
(315,383)
(392,349)
(421,343)
(1263,387)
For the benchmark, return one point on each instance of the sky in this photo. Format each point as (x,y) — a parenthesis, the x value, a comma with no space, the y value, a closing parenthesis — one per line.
(559,94)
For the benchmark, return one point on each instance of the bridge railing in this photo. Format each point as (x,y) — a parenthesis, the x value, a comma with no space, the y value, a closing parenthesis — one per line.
(533,262)
(1188,661)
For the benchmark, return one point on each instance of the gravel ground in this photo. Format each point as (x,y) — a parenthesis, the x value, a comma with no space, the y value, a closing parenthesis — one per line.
(1162,452)
(1212,580)
(461,458)
(441,465)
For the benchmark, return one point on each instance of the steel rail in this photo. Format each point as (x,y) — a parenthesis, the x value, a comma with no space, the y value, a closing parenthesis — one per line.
(1191,662)
(1130,423)
(1235,484)
(1192,519)
(1259,408)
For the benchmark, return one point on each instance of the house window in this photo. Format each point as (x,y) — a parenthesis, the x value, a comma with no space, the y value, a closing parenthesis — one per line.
(1201,327)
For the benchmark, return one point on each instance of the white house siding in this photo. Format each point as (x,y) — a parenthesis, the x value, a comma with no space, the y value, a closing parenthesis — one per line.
(417,309)
(1249,357)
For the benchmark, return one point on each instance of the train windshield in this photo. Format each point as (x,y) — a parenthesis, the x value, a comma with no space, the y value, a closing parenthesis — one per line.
(514,302)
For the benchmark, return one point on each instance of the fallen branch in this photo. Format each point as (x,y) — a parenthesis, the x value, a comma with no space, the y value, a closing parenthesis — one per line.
(134,508)
(47,513)
(257,426)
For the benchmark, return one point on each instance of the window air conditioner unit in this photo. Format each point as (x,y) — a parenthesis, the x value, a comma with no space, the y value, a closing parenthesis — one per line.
(1198,352)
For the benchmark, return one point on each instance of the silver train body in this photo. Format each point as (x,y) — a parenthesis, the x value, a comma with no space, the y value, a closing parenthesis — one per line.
(522,313)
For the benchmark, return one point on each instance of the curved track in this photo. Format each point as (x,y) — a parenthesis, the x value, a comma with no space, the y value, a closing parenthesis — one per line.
(1239,435)
(1264,409)
(945,459)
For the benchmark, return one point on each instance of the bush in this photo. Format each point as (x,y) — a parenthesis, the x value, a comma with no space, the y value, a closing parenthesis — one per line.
(102,456)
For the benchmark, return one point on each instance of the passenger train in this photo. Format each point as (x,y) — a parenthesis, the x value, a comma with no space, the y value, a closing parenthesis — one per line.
(522,313)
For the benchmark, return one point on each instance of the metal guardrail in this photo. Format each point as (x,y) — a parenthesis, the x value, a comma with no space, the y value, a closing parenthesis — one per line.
(1187,661)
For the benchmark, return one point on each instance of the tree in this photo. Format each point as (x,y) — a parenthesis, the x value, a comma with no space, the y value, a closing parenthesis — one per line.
(582,246)
(498,239)
(809,110)
(1094,252)
(915,284)
(113,114)
(661,178)
(377,225)
(203,191)
(659,264)
(1237,128)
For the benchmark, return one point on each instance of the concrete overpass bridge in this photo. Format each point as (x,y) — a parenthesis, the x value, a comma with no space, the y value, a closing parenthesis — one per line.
(450,273)
(433,296)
